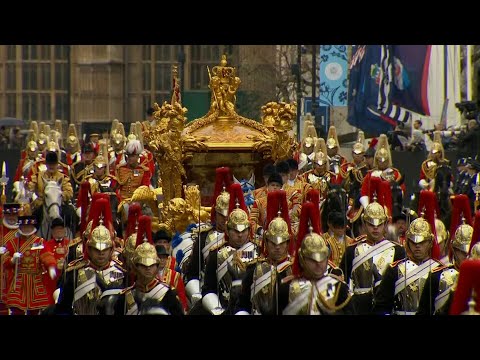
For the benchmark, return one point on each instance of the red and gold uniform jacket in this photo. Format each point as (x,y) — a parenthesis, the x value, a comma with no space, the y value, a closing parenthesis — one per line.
(301,185)
(174,280)
(37,185)
(24,168)
(258,213)
(130,179)
(39,166)
(8,233)
(54,252)
(28,290)
(320,182)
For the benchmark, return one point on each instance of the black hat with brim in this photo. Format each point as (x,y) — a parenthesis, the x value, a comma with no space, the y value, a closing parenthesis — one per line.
(51,158)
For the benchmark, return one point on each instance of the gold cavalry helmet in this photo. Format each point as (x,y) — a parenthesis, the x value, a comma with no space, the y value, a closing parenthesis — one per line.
(277,231)
(238,220)
(313,247)
(462,238)
(100,162)
(145,254)
(321,158)
(238,216)
(129,249)
(100,238)
(221,205)
(475,251)
(374,214)
(419,231)
(358,148)
(442,232)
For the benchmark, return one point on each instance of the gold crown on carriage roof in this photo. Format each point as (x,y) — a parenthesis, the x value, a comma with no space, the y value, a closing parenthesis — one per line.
(224,72)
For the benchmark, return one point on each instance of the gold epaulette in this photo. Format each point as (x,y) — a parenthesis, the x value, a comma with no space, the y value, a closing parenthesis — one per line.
(127,289)
(75,241)
(440,268)
(395,263)
(287,279)
(76,264)
(119,265)
(285,266)
(256,260)
(358,239)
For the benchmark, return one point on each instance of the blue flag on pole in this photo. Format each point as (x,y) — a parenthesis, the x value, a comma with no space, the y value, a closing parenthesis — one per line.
(410,65)
(363,90)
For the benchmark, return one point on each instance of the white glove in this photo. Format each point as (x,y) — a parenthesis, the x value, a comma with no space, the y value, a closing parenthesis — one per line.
(423,184)
(242,312)
(52,272)
(364,200)
(3,250)
(56,294)
(16,256)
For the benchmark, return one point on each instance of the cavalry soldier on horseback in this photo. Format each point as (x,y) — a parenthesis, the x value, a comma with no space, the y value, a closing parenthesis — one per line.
(261,284)
(132,174)
(84,167)
(353,175)
(384,171)
(439,288)
(404,280)
(336,160)
(211,239)
(365,261)
(435,158)
(319,177)
(148,287)
(39,180)
(312,290)
(31,156)
(225,267)
(72,146)
(95,272)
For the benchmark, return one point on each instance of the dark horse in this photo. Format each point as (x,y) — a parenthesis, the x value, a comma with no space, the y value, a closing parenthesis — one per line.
(443,182)
(336,200)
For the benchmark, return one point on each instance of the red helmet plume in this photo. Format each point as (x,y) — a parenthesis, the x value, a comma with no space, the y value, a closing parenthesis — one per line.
(223,178)
(134,212)
(307,219)
(427,205)
(460,208)
(236,196)
(277,202)
(85,190)
(144,230)
(468,280)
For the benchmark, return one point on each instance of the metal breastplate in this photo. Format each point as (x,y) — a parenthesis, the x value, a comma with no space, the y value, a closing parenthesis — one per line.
(265,301)
(319,182)
(87,304)
(319,302)
(229,285)
(409,298)
(369,274)
(448,279)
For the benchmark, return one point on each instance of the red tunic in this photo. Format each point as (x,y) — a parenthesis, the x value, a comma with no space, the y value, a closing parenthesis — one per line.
(174,280)
(54,253)
(27,291)
(8,237)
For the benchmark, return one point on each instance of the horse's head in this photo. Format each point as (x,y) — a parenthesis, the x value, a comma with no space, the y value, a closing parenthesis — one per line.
(53,198)
(247,187)
(337,198)
(443,178)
